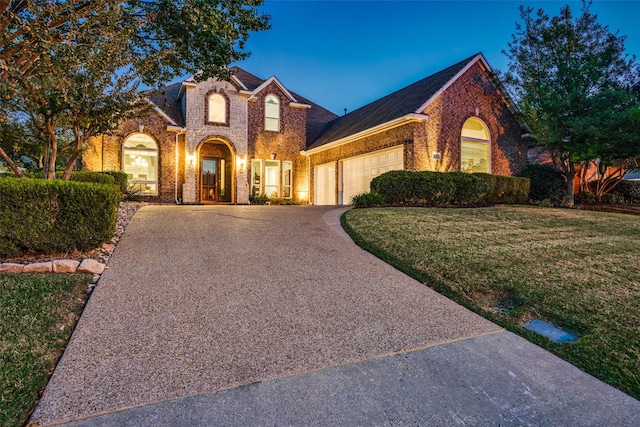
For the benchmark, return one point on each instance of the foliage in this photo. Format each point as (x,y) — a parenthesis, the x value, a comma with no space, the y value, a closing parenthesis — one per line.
(585,197)
(74,67)
(258,199)
(448,188)
(505,189)
(88,176)
(280,201)
(367,200)
(629,191)
(547,182)
(55,216)
(120,178)
(514,263)
(37,316)
(573,85)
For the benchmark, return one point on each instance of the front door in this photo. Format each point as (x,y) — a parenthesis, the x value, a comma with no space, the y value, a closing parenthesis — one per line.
(209,180)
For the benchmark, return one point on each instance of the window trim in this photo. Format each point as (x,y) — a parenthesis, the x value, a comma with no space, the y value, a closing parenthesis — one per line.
(278,183)
(283,185)
(253,185)
(277,118)
(487,142)
(155,151)
(226,108)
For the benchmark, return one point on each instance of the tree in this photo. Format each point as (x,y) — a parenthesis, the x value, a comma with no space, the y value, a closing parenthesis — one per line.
(55,55)
(572,83)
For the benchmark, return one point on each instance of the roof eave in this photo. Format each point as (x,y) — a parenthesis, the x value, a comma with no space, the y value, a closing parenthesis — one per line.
(161,113)
(409,118)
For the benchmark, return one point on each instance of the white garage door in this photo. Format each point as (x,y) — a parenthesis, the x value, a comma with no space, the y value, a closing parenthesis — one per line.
(357,172)
(325,184)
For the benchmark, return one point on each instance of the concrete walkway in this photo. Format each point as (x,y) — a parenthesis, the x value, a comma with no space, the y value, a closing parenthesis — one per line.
(251,315)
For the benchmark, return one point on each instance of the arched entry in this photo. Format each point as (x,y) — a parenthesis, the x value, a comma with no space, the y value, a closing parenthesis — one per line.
(215,172)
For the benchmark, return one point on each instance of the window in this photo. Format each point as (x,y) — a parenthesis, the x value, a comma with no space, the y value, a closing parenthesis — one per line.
(256,177)
(272,113)
(140,163)
(475,147)
(271,178)
(286,179)
(216,109)
(278,179)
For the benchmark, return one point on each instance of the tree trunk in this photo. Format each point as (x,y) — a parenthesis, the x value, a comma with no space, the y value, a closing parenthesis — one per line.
(571,174)
(53,154)
(12,165)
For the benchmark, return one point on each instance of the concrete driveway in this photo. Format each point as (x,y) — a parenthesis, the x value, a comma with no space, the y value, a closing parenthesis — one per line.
(256,315)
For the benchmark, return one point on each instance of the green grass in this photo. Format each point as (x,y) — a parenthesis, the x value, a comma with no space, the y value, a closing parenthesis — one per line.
(37,315)
(578,270)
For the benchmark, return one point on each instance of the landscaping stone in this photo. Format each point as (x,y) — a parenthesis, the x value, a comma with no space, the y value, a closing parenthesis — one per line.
(10,267)
(39,267)
(90,266)
(65,266)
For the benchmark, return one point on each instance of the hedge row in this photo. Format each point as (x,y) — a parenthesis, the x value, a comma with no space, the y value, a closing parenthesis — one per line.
(55,216)
(439,189)
(118,178)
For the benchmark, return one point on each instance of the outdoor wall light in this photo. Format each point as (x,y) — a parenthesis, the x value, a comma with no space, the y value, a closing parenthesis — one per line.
(191,158)
(241,162)
(273,156)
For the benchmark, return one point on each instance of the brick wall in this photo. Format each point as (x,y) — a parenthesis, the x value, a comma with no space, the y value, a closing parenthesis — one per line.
(285,144)
(105,153)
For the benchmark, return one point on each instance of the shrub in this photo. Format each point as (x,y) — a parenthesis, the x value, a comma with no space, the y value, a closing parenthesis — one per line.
(584,198)
(279,201)
(612,198)
(469,188)
(55,216)
(629,190)
(547,182)
(367,200)
(394,186)
(260,199)
(120,179)
(505,189)
(95,177)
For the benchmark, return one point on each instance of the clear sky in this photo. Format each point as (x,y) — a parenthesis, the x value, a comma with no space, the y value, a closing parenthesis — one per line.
(345,54)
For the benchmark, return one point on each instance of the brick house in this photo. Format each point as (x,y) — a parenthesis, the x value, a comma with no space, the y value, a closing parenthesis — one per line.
(220,141)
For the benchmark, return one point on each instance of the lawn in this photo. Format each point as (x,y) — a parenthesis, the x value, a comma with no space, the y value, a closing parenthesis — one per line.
(578,270)
(37,315)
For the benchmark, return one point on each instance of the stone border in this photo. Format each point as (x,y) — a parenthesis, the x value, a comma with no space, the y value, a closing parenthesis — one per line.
(87,265)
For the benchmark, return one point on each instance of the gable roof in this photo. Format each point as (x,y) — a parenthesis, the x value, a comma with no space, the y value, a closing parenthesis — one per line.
(412,99)
(166,100)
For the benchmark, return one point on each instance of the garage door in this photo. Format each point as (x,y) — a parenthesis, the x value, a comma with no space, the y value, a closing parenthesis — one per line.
(325,184)
(357,172)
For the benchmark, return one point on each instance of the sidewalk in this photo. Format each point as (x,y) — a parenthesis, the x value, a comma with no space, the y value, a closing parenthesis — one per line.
(249,315)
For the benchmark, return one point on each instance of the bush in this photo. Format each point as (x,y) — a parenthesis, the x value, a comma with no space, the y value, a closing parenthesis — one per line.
(612,198)
(584,198)
(367,200)
(394,186)
(469,188)
(95,177)
(505,189)
(547,182)
(55,216)
(629,190)
(120,179)
(260,199)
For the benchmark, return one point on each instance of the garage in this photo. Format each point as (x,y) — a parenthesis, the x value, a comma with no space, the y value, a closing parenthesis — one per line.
(357,172)
(325,184)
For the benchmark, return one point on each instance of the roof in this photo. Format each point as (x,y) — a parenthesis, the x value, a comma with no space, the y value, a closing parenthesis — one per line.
(405,101)
(166,99)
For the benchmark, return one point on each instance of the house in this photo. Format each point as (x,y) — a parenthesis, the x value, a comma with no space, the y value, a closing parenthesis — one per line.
(222,141)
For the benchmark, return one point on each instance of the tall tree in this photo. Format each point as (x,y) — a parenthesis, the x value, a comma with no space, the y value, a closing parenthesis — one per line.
(41,43)
(572,81)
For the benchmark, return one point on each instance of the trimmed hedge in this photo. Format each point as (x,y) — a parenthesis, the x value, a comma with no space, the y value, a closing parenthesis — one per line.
(120,179)
(547,183)
(88,176)
(629,190)
(55,216)
(505,189)
(440,188)
(367,200)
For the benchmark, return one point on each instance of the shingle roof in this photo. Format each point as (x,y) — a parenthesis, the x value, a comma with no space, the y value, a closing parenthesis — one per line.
(317,117)
(167,100)
(395,105)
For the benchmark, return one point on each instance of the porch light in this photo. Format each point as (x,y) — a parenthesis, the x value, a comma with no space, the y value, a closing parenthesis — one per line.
(241,162)
(273,156)
(191,158)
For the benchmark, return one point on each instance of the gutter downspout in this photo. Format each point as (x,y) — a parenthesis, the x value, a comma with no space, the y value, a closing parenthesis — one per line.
(177,168)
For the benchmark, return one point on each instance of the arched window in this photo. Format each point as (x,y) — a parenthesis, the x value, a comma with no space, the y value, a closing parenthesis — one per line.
(216,108)
(140,163)
(475,150)
(272,113)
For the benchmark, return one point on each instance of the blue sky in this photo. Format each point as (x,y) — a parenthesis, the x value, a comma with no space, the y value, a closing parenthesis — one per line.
(345,54)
